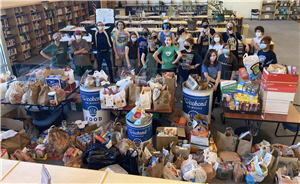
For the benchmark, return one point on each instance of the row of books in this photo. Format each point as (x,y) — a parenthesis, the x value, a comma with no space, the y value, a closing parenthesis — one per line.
(36,25)
(36,17)
(12,51)
(27,54)
(49,13)
(39,33)
(24,37)
(22,19)
(10,42)
(50,21)
(23,29)
(4,23)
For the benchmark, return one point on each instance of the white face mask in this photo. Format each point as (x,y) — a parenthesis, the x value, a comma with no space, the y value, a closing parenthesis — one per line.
(258,34)
(216,40)
(78,37)
(100,28)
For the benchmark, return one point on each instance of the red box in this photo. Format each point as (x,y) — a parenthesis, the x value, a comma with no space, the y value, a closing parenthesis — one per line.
(285,87)
(280,77)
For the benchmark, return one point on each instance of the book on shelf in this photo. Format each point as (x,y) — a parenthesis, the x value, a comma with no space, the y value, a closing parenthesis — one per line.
(32,8)
(18,10)
(12,51)
(10,42)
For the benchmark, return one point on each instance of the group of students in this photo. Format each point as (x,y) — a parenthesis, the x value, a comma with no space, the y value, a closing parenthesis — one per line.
(161,52)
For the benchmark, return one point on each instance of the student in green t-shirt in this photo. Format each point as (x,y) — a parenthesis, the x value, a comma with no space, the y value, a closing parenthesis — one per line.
(58,51)
(168,51)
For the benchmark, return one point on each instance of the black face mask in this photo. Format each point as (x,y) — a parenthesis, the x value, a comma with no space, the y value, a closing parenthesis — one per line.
(181,31)
(145,34)
(229,28)
(186,46)
(205,26)
(155,37)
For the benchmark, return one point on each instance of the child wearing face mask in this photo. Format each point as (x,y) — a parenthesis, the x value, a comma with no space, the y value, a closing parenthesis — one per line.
(166,32)
(143,40)
(102,42)
(231,36)
(148,61)
(189,60)
(168,52)
(132,53)
(120,39)
(205,37)
(255,42)
(211,68)
(80,49)
(228,62)
(182,35)
(217,43)
(266,56)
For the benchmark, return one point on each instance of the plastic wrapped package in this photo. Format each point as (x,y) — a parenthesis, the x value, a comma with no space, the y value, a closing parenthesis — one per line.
(15,94)
(171,173)
(192,172)
(19,155)
(198,156)
(224,171)
(252,65)
(89,82)
(261,148)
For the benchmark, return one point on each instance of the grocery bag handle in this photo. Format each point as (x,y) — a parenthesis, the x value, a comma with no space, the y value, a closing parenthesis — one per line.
(228,130)
(244,134)
(245,55)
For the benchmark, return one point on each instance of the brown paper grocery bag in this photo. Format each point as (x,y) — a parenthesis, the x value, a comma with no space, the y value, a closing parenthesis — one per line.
(19,141)
(154,171)
(33,93)
(134,92)
(163,101)
(43,96)
(170,82)
(226,141)
(210,172)
(244,144)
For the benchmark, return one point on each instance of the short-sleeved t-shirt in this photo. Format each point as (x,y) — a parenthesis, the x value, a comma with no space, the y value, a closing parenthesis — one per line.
(233,41)
(132,54)
(58,53)
(168,56)
(266,58)
(227,67)
(145,51)
(212,70)
(188,58)
(257,42)
(142,44)
(81,59)
(121,39)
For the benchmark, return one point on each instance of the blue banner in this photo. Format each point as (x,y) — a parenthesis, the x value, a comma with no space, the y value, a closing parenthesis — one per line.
(193,105)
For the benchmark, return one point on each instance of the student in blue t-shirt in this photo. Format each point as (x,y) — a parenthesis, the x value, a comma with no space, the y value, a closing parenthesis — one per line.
(266,56)
(211,68)
(143,40)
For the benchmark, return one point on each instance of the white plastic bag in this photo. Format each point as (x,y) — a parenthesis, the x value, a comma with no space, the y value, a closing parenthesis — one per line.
(124,83)
(100,75)
(7,93)
(146,98)
(252,65)
(171,173)
(257,170)
(210,156)
(261,149)
(16,93)
(192,172)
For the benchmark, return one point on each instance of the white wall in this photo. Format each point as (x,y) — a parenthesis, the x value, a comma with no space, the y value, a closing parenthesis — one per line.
(243,7)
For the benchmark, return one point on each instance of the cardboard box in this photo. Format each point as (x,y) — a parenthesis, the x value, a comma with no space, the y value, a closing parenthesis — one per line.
(18,114)
(278,86)
(195,148)
(164,141)
(7,123)
(201,141)
(57,80)
(280,77)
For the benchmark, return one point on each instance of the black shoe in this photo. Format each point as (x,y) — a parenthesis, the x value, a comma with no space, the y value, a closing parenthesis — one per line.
(213,118)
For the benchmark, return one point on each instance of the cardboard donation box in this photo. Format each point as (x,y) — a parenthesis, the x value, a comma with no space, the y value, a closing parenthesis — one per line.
(19,140)
(56,77)
(162,141)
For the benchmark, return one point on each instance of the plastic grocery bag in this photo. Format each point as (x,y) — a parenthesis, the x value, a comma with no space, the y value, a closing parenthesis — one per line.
(15,94)
(252,65)
(7,93)
(224,171)
(102,75)
(57,141)
(255,172)
(60,93)
(210,156)
(192,172)
(238,173)
(171,173)
(130,162)
(226,141)
(146,98)
(282,179)
(261,148)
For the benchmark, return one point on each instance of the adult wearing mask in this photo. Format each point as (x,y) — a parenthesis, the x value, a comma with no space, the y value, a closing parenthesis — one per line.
(148,60)
(120,40)
(80,49)
(205,37)
(255,42)
(132,53)
(143,40)
(102,42)
(158,44)
(58,51)
(166,32)
(231,36)
(182,35)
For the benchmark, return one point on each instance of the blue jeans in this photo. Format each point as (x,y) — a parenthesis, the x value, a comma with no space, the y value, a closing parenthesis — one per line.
(134,65)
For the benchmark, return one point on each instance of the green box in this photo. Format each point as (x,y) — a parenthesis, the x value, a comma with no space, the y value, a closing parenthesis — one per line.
(230,88)
(74,106)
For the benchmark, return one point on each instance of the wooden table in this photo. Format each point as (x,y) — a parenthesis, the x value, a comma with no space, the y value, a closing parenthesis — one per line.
(177,17)
(293,116)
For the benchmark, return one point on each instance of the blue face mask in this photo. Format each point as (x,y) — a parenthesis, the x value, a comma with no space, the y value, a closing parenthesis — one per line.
(225,51)
(263,46)
(133,39)
(166,26)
